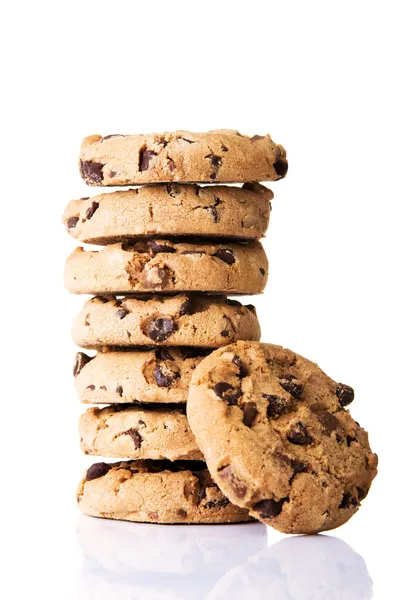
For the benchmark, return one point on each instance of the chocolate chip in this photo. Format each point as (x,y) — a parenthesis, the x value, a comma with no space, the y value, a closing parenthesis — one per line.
(103,387)
(173,190)
(289,385)
(217,503)
(92,209)
(348,501)
(238,487)
(153,515)
(230,302)
(72,221)
(160,329)
(262,271)
(145,157)
(164,376)
(225,333)
(92,172)
(257,137)
(213,212)
(155,248)
(171,165)
(91,387)
(281,167)
(251,307)
(277,405)
(297,465)
(112,174)
(250,413)
(268,509)
(238,362)
(227,392)
(102,299)
(135,435)
(122,312)
(204,483)
(81,359)
(216,163)
(158,277)
(97,470)
(345,393)
(185,307)
(327,420)
(350,439)
(299,435)
(226,255)
(361,493)
(119,390)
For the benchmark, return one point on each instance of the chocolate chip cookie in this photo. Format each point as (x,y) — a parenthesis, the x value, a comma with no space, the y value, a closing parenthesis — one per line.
(171,210)
(202,321)
(162,265)
(155,492)
(116,377)
(122,431)
(222,155)
(278,439)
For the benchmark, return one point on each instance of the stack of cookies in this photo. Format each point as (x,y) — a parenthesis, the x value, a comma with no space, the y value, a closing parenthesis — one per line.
(266,433)
(172,252)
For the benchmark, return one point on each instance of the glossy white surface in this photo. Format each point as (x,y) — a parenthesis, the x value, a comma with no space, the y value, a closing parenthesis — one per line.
(127,561)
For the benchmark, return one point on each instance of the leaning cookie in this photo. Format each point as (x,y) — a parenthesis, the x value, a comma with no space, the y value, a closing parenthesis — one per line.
(132,432)
(161,265)
(277,438)
(223,155)
(202,321)
(159,376)
(155,492)
(171,210)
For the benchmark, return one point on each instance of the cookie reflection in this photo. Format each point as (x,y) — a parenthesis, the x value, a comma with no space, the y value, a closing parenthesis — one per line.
(138,560)
(299,568)
(143,561)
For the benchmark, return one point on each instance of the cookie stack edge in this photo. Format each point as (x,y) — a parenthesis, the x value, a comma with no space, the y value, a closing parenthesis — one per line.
(173,251)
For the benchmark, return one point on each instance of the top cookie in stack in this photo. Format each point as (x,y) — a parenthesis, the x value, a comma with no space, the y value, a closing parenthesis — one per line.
(166,245)
(222,155)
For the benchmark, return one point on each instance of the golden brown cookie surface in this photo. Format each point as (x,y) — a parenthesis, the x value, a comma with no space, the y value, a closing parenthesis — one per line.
(183,320)
(121,431)
(155,492)
(277,437)
(223,155)
(171,210)
(166,266)
(160,375)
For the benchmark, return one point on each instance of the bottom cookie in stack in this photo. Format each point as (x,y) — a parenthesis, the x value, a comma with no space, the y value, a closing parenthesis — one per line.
(156,491)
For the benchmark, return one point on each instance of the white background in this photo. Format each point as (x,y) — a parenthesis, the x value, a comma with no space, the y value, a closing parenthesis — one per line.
(322,78)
